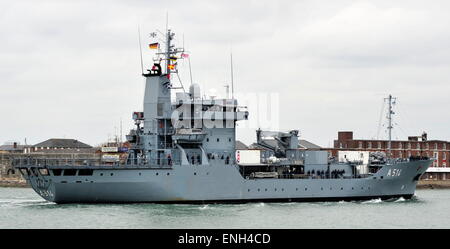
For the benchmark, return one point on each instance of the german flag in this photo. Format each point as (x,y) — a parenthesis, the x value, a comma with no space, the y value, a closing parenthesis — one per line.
(153,45)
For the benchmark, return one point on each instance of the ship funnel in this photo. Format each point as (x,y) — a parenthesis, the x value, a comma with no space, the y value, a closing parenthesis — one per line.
(194,91)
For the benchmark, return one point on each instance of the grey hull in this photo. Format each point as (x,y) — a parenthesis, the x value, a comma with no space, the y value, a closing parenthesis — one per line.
(221,184)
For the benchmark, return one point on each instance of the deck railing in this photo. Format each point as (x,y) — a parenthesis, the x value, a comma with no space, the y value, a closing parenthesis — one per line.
(89,162)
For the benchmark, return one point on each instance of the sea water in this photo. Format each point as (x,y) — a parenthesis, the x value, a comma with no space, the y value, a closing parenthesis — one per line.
(23,208)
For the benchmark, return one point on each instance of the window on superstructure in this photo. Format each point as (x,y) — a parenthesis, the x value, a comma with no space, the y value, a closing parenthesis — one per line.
(70,172)
(435,146)
(418,146)
(369,145)
(85,172)
(360,144)
(57,172)
(379,145)
(409,145)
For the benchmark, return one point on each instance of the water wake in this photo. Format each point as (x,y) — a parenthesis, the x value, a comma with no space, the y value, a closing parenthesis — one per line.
(401,199)
(204,207)
(374,201)
(22,202)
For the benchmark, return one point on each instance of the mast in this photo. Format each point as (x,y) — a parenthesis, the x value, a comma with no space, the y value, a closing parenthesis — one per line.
(391,101)
(168,38)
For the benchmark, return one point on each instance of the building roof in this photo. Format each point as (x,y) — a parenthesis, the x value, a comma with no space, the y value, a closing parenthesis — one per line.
(10,147)
(241,146)
(62,143)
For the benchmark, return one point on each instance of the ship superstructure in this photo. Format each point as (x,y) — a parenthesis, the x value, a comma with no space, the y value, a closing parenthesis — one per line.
(183,151)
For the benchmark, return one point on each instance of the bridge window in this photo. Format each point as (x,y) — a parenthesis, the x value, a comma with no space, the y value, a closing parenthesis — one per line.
(44,172)
(85,172)
(56,172)
(70,172)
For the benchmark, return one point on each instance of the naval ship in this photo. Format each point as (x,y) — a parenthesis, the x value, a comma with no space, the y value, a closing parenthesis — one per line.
(184,151)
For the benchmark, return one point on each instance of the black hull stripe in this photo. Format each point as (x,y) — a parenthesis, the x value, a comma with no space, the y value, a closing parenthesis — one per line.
(241,201)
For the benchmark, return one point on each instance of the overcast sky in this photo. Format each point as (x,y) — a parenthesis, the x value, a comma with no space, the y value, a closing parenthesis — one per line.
(71,68)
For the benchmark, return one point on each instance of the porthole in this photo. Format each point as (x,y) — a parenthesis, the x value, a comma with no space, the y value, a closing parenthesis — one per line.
(218,140)
(282,189)
(195,173)
(207,140)
(321,188)
(229,139)
(140,174)
(112,174)
(342,188)
(265,190)
(101,174)
(248,190)
(157,173)
(353,188)
(331,188)
(362,187)
(168,174)
(275,189)
(296,189)
(306,189)
(259,190)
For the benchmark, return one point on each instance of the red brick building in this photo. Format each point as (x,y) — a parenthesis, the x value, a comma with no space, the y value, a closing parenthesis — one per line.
(414,146)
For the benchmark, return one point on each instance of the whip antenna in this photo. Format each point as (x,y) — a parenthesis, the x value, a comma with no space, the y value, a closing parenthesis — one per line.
(232,76)
(140,50)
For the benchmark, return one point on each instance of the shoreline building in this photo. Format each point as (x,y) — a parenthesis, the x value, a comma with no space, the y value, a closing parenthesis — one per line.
(414,146)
